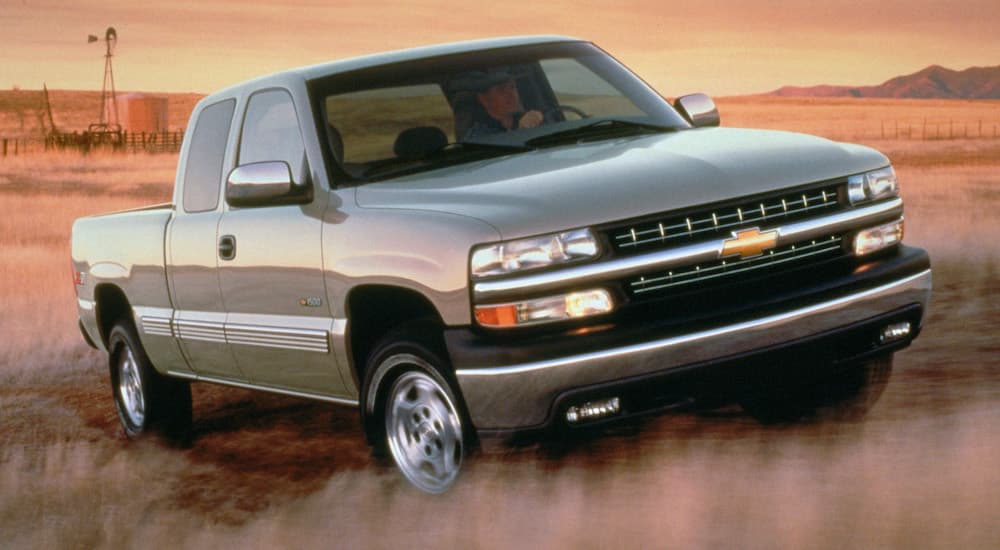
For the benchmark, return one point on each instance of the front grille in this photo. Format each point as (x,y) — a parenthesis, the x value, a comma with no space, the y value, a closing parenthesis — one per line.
(673,230)
(720,271)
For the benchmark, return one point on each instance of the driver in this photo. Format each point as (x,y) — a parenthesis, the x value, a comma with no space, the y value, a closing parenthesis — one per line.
(496,93)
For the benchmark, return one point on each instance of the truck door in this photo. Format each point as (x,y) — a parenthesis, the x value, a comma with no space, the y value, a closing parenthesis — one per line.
(278,322)
(192,247)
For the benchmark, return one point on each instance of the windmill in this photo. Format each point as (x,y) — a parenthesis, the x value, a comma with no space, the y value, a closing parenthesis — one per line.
(110,131)
(45,123)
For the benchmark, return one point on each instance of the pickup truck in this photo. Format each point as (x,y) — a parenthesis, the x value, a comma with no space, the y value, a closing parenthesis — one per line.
(499,239)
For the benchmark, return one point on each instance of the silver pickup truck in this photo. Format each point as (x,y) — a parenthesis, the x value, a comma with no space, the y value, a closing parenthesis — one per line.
(499,239)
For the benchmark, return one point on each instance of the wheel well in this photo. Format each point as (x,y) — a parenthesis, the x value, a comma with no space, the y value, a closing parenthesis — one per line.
(112,305)
(373,311)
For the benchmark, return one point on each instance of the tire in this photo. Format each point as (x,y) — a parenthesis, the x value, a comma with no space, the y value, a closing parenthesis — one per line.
(412,411)
(146,401)
(846,397)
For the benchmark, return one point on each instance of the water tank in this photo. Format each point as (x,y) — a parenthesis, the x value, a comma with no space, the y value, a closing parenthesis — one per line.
(139,113)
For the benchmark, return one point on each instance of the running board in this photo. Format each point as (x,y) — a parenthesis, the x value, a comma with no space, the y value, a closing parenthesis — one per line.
(280,391)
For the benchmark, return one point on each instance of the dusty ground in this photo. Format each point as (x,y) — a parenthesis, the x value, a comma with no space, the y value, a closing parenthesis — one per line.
(922,471)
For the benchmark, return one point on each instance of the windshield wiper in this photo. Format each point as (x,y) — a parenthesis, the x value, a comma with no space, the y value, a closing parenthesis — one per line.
(597,128)
(397,167)
(479,146)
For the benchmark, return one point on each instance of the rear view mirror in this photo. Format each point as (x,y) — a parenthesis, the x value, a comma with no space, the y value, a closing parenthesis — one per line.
(264,184)
(698,109)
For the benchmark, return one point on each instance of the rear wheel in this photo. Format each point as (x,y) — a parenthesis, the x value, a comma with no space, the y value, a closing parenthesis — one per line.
(145,399)
(846,397)
(414,412)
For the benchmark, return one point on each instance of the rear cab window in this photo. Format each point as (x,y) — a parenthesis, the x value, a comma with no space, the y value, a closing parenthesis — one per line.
(203,169)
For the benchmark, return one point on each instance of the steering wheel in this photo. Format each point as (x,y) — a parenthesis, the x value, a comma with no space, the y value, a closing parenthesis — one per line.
(550,112)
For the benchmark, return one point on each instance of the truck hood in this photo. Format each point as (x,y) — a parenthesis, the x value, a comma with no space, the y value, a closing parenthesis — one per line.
(589,184)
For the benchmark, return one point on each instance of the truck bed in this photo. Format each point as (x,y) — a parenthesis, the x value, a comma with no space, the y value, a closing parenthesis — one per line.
(124,249)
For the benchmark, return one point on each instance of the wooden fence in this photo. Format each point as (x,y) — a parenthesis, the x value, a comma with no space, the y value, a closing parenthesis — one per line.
(126,142)
(939,130)
(170,142)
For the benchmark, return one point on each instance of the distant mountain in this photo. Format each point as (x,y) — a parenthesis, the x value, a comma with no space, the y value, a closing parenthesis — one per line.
(934,82)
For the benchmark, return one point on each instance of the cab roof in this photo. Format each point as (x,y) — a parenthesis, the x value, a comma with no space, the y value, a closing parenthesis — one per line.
(385,58)
(397,56)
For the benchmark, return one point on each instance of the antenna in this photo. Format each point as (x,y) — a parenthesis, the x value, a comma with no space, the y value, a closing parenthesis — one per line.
(109,101)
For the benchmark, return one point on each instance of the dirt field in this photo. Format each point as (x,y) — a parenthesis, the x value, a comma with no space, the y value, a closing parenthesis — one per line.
(922,471)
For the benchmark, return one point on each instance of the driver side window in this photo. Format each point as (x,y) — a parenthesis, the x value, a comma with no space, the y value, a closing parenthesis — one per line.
(271,132)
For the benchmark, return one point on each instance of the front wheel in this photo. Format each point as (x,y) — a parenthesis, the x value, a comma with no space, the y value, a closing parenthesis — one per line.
(416,413)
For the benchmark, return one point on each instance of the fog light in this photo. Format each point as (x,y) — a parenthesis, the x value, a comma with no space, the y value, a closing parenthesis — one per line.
(878,238)
(894,332)
(592,410)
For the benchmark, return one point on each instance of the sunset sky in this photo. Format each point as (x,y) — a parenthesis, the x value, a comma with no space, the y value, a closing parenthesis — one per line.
(721,47)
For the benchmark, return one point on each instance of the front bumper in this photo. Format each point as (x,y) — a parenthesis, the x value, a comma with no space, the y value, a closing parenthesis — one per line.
(524,395)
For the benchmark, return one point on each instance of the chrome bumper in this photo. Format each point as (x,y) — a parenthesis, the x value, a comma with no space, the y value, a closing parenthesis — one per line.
(520,396)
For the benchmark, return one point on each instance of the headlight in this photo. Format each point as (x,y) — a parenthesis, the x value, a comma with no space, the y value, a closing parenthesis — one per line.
(871,186)
(533,253)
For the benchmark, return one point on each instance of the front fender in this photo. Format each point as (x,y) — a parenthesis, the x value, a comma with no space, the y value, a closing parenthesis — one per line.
(424,251)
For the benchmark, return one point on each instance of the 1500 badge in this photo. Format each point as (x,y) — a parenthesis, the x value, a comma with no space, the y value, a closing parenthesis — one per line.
(311,302)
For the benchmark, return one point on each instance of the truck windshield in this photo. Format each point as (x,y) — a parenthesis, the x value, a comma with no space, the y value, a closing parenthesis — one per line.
(420,115)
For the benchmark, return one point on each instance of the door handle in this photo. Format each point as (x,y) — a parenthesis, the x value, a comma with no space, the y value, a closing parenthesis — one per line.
(227,247)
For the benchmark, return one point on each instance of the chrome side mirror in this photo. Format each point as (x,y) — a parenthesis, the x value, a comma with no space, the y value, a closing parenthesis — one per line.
(698,109)
(264,184)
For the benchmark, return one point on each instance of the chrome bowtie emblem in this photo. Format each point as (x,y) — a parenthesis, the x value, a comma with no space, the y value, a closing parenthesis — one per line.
(748,243)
